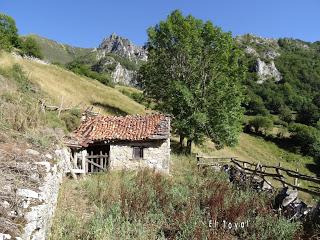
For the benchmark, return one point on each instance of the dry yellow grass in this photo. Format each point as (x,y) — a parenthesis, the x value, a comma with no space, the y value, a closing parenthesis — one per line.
(74,89)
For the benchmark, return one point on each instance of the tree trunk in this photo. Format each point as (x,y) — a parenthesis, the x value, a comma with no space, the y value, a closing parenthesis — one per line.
(181,141)
(189,145)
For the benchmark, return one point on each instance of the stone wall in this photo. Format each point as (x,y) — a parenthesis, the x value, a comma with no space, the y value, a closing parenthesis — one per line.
(40,216)
(156,155)
(35,203)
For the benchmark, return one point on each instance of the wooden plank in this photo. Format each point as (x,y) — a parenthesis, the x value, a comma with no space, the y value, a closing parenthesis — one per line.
(87,165)
(299,188)
(97,156)
(75,160)
(83,162)
(101,160)
(95,164)
(92,166)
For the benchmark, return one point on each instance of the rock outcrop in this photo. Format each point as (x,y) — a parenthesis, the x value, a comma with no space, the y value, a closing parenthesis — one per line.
(267,71)
(124,76)
(122,47)
(265,51)
(114,55)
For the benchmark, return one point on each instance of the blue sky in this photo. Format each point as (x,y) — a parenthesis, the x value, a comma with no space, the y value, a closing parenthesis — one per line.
(85,23)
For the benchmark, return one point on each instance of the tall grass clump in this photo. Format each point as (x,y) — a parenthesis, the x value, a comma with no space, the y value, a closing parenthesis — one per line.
(149,205)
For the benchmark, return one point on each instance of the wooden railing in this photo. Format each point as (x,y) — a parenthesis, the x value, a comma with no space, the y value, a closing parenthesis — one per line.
(82,163)
(286,177)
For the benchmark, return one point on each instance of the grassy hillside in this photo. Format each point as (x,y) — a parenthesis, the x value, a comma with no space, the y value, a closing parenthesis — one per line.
(256,149)
(57,52)
(58,83)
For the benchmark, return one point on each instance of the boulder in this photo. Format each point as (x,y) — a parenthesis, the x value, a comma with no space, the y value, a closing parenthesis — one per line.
(32,152)
(291,196)
(27,193)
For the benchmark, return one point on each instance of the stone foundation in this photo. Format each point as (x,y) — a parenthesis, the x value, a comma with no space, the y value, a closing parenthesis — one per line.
(156,156)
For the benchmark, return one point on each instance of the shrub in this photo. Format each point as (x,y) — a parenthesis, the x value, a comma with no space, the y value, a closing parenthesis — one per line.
(261,124)
(85,70)
(17,74)
(306,139)
(308,114)
(285,114)
(29,47)
(71,119)
(271,227)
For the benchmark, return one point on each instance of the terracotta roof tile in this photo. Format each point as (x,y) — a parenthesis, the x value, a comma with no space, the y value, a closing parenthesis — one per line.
(115,128)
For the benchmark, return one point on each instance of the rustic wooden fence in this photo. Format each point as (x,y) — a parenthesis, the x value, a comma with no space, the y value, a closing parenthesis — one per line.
(83,163)
(286,177)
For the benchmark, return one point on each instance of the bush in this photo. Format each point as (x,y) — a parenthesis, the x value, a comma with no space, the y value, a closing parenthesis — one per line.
(29,47)
(8,32)
(71,119)
(85,70)
(306,139)
(285,114)
(308,114)
(256,106)
(261,124)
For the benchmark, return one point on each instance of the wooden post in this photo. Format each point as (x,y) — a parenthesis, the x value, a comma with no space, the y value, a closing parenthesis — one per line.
(75,160)
(296,179)
(278,170)
(71,170)
(43,105)
(101,161)
(87,166)
(83,161)
(92,166)
(198,160)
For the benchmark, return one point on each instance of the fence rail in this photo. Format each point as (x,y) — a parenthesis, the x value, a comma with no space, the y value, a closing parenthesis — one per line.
(277,173)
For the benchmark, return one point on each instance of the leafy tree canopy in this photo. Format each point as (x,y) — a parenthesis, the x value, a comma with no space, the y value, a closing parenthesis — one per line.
(8,32)
(194,73)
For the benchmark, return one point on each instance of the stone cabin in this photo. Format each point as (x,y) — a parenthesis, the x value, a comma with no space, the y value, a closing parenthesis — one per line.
(121,142)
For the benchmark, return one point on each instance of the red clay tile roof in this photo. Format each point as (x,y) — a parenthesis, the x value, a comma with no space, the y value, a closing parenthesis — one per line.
(127,128)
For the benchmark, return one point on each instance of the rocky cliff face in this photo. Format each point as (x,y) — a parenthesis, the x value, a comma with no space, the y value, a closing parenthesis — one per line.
(264,51)
(122,47)
(124,76)
(267,71)
(120,58)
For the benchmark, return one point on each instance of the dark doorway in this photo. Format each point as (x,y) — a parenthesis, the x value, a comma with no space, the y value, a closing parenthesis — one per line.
(98,158)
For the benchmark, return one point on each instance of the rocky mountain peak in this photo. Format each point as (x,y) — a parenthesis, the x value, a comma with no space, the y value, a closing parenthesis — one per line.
(123,47)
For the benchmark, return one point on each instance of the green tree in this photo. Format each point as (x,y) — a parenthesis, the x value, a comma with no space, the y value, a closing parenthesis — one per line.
(30,47)
(256,105)
(285,114)
(306,139)
(308,114)
(194,73)
(8,32)
(261,124)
